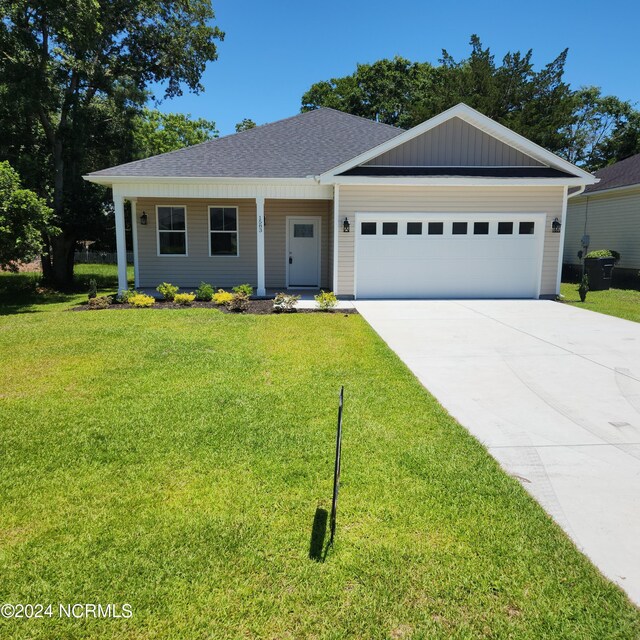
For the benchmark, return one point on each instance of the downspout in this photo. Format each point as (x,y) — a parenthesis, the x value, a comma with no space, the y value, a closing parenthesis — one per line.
(584,231)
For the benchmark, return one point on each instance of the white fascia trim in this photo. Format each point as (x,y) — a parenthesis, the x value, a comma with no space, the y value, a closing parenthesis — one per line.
(478,120)
(111,180)
(457,182)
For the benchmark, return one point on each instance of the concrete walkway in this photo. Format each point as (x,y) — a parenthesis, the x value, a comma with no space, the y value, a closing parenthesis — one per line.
(553,392)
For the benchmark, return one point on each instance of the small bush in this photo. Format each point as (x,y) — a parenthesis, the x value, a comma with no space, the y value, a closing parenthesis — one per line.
(604,253)
(204,292)
(141,300)
(125,296)
(167,291)
(184,299)
(326,300)
(583,288)
(247,289)
(222,297)
(93,289)
(239,302)
(100,302)
(285,303)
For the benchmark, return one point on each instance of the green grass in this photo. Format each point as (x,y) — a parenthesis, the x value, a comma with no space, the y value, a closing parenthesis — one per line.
(623,303)
(175,460)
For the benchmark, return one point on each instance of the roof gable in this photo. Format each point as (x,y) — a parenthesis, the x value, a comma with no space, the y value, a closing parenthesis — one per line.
(454,143)
(477,120)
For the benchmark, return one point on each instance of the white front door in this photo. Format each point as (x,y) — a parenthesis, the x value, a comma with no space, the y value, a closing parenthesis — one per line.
(303,247)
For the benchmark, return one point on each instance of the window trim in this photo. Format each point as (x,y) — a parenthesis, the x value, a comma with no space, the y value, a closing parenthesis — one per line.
(237,231)
(186,232)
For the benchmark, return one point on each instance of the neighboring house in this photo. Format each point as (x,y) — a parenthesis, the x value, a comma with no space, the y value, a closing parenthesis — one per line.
(457,207)
(607,216)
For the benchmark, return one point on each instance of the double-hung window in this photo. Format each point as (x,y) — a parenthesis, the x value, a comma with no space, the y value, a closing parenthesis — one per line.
(172,231)
(223,231)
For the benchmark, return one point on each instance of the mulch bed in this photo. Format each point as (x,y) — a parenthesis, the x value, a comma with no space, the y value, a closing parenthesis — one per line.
(256,307)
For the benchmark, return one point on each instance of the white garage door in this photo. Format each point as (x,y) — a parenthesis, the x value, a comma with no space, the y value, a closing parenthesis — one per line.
(448,255)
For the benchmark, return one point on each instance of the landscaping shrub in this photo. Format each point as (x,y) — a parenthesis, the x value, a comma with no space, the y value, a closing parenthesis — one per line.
(99,302)
(93,289)
(247,289)
(141,300)
(326,300)
(239,302)
(583,288)
(604,253)
(184,299)
(125,296)
(285,303)
(222,297)
(204,292)
(167,291)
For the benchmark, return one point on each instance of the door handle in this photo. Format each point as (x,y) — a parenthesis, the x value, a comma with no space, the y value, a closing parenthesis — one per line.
(290,260)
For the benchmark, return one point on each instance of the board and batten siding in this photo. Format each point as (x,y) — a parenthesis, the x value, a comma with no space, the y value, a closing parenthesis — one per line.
(275,240)
(612,220)
(227,271)
(450,200)
(454,143)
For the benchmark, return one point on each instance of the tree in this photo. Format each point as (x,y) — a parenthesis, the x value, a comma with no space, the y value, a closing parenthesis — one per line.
(246,123)
(73,76)
(23,219)
(155,132)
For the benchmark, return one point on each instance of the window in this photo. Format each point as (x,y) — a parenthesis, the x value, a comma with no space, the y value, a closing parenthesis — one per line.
(303,230)
(459,228)
(526,228)
(172,231)
(414,228)
(368,228)
(436,228)
(480,228)
(223,231)
(505,228)
(389,228)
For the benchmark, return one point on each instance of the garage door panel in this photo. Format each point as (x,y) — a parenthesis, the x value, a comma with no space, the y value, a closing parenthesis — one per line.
(447,265)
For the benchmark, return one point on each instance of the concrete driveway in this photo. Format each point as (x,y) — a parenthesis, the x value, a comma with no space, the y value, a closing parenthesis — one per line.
(553,392)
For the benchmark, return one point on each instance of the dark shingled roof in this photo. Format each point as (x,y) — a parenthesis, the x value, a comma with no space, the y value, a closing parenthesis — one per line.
(482,172)
(621,174)
(305,145)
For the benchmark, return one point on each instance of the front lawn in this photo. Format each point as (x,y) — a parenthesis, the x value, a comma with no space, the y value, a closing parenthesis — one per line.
(175,460)
(623,303)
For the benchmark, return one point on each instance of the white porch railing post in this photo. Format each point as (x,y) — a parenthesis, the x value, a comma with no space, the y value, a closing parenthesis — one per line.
(121,242)
(260,248)
(134,237)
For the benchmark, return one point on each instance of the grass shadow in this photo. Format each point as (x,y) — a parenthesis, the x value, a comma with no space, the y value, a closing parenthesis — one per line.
(317,548)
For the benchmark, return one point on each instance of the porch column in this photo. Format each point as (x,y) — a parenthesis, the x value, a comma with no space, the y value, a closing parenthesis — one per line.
(260,248)
(121,242)
(134,237)
(336,237)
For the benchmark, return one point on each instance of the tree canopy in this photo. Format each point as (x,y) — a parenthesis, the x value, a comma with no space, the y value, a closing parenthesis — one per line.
(73,77)
(23,219)
(581,125)
(244,124)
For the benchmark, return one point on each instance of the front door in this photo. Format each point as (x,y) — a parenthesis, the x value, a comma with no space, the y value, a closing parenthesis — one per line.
(303,261)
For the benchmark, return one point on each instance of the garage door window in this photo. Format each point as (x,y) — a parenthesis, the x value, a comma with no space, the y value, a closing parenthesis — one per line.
(459,228)
(505,228)
(480,228)
(526,228)
(389,228)
(436,228)
(414,228)
(368,228)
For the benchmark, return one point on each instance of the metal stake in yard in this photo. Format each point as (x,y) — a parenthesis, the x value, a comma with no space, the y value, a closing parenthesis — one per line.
(336,471)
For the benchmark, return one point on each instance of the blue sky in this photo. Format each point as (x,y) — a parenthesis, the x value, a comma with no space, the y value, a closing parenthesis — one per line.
(273,51)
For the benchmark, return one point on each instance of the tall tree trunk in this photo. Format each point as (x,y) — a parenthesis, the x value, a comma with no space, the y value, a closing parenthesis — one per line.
(61,259)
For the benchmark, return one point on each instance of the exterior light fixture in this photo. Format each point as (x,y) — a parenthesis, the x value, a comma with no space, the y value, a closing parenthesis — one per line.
(346,227)
(556,226)
(144,218)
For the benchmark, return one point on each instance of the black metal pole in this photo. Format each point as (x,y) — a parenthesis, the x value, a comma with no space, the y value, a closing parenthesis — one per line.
(336,471)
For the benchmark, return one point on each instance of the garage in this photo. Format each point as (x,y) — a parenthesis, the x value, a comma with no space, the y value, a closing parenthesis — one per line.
(430,255)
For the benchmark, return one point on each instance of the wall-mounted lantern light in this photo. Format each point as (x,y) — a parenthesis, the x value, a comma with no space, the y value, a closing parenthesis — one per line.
(346,226)
(556,226)
(144,218)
